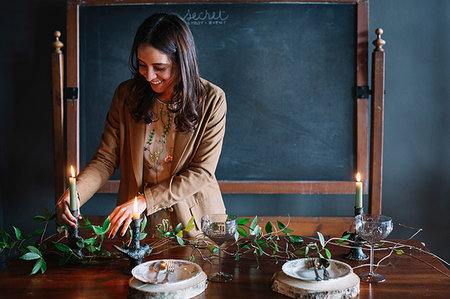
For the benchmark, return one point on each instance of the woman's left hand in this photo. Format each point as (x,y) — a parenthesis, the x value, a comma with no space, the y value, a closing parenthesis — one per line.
(123,215)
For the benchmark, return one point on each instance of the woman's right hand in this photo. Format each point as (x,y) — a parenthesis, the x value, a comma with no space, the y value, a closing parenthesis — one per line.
(63,214)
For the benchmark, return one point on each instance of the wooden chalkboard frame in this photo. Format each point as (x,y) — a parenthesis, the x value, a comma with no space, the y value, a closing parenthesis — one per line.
(72,123)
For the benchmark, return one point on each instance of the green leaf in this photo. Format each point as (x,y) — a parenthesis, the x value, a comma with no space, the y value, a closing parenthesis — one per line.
(213,249)
(80,244)
(30,256)
(243,221)
(299,251)
(47,213)
(144,223)
(242,232)
(64,259)
(399,251)
(192,258)
(236,257)
(180,241)
(320,255)
(62,247)
(142,236)
(306,250)
(106,225)
(4,234)
(37,266)
(18,233)
(253,224)
(236,236)
(296,240)
(190,225)
(86,220)
(327,253)
(321,239)
(40,218)
(269,227)
(283,228)
(178,228)
(345,237)
(98,230)
(90,241)
(34,249)
(39,231)
(43,266)
(261,242)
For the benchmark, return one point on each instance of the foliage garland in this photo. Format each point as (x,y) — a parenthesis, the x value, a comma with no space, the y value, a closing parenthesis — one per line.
(248,239)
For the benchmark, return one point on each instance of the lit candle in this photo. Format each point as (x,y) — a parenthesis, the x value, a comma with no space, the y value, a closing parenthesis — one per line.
(135,210)
(73,190)
(359,192)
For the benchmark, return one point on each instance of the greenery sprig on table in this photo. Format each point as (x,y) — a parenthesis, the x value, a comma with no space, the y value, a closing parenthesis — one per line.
(276,242)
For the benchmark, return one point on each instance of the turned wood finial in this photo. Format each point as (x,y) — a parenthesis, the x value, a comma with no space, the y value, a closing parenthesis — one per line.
(379,42)
(57,44)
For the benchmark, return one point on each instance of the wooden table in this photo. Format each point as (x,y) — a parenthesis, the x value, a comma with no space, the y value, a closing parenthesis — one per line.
(406,277)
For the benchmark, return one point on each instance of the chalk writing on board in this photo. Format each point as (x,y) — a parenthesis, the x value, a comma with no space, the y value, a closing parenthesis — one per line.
(206,17)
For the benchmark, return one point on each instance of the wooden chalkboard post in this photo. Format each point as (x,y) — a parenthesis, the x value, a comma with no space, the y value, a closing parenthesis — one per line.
(376,147)
(58,115)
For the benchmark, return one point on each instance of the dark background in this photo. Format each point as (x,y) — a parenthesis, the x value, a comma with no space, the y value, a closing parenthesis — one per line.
(416,173)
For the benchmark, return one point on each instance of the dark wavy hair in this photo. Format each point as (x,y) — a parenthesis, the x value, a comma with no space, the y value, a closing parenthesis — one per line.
(169,34)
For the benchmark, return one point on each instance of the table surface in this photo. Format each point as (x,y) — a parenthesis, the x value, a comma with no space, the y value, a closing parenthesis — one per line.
(409,275)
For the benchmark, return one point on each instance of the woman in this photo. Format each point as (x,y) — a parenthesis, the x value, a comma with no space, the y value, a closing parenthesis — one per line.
(165,128)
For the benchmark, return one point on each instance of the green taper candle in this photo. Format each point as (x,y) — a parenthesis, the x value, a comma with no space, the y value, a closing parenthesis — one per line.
(73,190)
(359,192)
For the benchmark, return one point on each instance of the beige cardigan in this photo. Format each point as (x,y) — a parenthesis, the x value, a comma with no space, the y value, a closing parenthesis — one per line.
(192,189)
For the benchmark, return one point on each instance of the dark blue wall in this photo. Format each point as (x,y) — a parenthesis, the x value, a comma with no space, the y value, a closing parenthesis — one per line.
(416,180)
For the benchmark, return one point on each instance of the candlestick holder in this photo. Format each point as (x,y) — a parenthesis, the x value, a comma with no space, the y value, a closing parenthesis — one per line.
(74,238)
(356,253)
(137,251)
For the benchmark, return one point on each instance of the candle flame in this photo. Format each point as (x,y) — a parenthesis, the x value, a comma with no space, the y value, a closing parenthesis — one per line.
(72,171)
(358,177)
(135,205)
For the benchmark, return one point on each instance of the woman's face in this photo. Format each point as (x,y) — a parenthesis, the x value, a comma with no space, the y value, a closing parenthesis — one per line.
(158,69)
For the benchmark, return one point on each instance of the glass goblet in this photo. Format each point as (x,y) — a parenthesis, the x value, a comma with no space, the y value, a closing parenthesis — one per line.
(373,228)
(219,228)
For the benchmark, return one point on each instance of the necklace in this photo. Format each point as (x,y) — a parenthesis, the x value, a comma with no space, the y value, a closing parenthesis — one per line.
(156,160)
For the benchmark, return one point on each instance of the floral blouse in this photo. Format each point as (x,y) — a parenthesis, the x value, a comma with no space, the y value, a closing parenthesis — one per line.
(158,146)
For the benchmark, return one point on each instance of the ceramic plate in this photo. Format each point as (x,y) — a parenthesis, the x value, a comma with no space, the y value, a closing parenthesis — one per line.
(303,269)
(184,270)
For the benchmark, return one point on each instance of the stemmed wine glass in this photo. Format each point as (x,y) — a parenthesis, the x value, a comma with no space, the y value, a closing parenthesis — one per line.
(219,228)
(373,228)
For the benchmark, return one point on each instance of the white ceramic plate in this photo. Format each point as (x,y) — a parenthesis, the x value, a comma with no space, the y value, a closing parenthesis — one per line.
(303,269)
(184,270)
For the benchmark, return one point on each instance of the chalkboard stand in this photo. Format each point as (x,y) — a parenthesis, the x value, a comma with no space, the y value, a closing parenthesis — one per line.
(330,225)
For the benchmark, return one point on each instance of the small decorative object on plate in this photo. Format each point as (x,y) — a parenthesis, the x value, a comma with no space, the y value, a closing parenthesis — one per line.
(304,269)
(166,271)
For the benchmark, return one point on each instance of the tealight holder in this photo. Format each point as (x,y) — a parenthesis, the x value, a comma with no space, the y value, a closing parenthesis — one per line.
(136,252)
(356,253)
(74,238)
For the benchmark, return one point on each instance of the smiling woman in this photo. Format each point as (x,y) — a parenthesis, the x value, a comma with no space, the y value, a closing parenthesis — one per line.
(165,129)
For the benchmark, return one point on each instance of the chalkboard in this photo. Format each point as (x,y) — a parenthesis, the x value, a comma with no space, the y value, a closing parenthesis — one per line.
(288,70)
